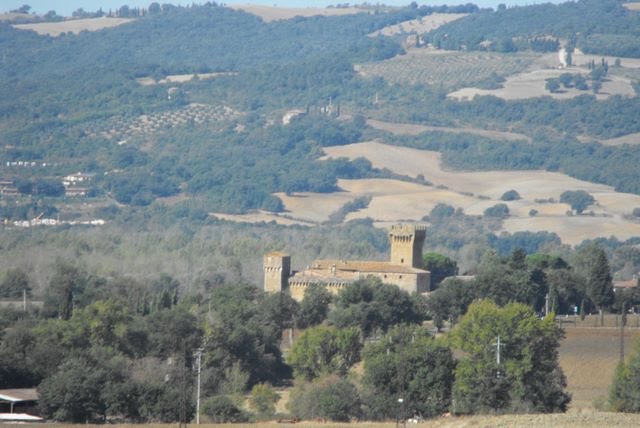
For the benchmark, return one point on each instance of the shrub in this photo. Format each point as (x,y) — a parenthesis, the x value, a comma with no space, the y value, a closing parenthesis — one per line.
(510,195)
(263,400)
(441,211)
(636,212)
(578,199)
(221,409)
(498,210)
(332,398)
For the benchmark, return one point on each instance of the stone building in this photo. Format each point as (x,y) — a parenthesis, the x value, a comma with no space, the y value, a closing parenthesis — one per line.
(403,269)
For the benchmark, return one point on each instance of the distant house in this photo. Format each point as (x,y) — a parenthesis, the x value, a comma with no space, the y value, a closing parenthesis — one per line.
(76,191)
(78,177)
(19,405)
(7,188)
(626,284)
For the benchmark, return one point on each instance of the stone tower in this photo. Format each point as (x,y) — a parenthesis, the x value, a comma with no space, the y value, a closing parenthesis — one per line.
(277,268)
(406,244)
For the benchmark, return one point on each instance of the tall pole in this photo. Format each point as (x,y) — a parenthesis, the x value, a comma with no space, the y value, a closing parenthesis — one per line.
(199,356)
(622,319)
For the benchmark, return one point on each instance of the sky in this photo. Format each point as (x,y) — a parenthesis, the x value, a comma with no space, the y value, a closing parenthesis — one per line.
(66,7)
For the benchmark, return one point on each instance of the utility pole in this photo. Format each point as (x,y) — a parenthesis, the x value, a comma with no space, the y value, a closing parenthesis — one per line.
(622,322)
(546,305)
(498,345)
(199,361)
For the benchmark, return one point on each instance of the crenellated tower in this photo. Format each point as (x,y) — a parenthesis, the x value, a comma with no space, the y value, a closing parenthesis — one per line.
(406,244)
(277,269)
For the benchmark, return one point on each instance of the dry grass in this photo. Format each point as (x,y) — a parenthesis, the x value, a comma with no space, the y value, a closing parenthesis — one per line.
(269,13)
(476,191)
(589,419)
(74,26)
(532,84)
(412,129)
(420,25)
(631,139)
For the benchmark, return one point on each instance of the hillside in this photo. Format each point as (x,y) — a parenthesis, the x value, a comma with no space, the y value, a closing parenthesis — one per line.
(187,111)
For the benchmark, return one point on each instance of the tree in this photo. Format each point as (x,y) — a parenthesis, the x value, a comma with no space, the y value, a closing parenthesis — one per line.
(510,195)
(323,350)
(332,398)
(74,393)
(552,85)
(66,282)
(578,199)
(624,395)
(440,267)
(15,283)
(263,400)
(371,305)
(566,79)
(528,377)
(314,306)
(441,211)
(450,301)
(407,363)
(592,266)
(498,210)
(221,409)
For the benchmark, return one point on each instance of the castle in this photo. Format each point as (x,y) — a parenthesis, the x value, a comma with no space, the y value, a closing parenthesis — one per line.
(404,268)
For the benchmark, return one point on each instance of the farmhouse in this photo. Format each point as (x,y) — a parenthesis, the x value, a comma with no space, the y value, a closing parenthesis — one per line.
(404,268)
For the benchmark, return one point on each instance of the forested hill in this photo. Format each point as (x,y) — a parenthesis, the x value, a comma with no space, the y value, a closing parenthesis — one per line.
(604,27)
(74,103)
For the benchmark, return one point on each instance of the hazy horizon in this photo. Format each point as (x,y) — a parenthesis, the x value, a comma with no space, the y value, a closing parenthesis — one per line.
(66,7)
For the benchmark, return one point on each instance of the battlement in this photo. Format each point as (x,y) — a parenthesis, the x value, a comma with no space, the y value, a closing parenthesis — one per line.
(406,244)
(277,269)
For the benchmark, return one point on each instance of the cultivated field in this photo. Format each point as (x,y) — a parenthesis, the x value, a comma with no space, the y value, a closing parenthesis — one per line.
(412,129)
(74,26)
(420,25)
(122,128)
(272,13)
(450,69)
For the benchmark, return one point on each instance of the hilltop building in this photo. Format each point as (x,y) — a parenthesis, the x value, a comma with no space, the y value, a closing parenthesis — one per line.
(403,269)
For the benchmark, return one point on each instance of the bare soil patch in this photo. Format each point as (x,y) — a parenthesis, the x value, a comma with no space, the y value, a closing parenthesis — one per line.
(419,25)
(413,129)
(633,6)
(272,13)
(74,26)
